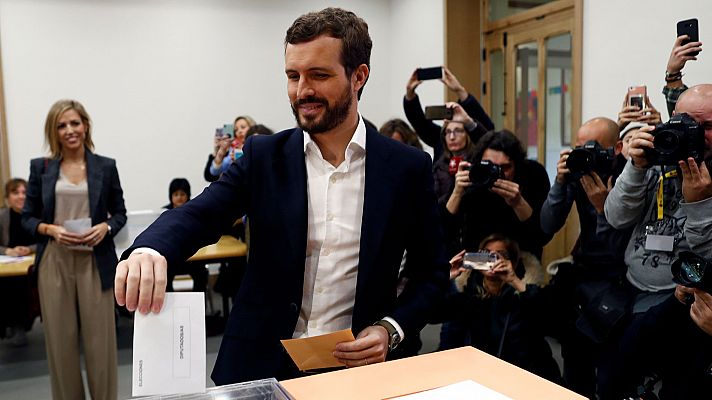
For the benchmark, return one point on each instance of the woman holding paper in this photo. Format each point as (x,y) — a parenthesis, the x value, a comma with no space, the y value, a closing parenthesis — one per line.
(74,207)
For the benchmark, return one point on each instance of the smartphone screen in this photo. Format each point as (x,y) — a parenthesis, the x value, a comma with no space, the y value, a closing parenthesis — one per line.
(438,112)
(636,96)
(429,73)
(228,130)
(690,28)
(218,132)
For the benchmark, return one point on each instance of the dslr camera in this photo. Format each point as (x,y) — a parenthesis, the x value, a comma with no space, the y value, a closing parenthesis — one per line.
(679,138)
(692,271)
(484,174)
(591,157)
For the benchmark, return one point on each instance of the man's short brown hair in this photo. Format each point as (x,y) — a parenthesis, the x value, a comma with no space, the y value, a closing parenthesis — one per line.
(340,24)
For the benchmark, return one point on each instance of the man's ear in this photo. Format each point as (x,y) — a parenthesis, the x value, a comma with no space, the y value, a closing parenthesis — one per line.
(618,148)
(359,77)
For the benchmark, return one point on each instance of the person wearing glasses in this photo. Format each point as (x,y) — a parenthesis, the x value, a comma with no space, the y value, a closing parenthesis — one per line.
(505,198)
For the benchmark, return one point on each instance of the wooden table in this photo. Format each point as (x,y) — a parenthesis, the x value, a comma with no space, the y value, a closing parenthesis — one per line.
(424,372)
(16,269)
(227,247)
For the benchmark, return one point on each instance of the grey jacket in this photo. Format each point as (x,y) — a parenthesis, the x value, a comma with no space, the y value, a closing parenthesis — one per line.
(633,202)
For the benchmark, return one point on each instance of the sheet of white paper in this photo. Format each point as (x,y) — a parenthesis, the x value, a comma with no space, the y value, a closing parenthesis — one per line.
(465,390)
(81,226)
(169,347)
(10,260)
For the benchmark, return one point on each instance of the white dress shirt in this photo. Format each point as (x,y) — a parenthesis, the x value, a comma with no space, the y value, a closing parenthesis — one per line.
(334,213)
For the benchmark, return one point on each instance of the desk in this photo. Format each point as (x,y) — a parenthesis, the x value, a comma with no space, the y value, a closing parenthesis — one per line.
(16,269)
(226,247)
(424,372)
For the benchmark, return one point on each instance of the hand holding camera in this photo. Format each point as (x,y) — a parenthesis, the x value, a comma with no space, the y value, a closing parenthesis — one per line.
(701,310)
(462,178)
(450,80)
(696,181)
(639,142)
(683,51)
(456,265)
(460,115)
(596,190)
(562,169)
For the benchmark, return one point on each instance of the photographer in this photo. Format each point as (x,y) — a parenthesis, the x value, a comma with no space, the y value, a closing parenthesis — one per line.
(508,202)
(428,131)
(501,313)
(669,208)
(598,253)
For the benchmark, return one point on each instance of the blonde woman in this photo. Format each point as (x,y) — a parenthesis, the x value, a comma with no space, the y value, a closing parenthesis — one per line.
(76,269)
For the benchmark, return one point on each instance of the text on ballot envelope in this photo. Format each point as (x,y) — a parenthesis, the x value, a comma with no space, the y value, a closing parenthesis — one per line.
(169,347)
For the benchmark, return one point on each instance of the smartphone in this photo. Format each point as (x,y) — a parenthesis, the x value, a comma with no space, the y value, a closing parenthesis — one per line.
(218,132)
(228,130)
(424,74)
(636,96)
(481,261)
(689,27)
(438,112)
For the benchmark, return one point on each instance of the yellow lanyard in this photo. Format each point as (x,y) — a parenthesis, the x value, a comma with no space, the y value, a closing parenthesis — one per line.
(669,174)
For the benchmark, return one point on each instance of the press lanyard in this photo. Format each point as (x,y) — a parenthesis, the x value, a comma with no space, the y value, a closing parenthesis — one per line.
(669,174)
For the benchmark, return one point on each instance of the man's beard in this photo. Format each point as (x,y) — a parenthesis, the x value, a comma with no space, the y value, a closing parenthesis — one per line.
(330,118)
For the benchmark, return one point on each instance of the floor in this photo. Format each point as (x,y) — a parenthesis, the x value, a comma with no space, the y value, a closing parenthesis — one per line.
(24,372)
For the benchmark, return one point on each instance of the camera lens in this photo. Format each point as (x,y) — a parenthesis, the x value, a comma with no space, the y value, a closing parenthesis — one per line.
(689,270)
(579,162)
(485,174)
(666,142)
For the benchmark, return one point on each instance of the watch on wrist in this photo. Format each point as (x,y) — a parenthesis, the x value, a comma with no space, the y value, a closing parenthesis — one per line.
(109,229)
(394,337)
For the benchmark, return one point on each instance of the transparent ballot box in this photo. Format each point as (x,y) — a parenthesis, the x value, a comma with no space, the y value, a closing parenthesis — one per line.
(264,389)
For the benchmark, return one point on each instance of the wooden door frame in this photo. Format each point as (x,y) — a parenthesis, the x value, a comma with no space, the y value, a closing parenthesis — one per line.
(4,151)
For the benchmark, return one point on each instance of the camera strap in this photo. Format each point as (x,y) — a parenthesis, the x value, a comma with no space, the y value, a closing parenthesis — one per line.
(661,203)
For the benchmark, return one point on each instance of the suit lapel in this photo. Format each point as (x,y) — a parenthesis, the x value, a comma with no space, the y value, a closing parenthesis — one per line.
(377,208)
(50,175)
(293,193)
(94,181)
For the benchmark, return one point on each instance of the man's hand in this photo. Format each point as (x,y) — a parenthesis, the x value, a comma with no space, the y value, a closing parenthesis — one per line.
(701,310)
(17,251)
(641,140)
(410,86)
(561,169)
(683,294)
(462,178)
(96,234)
(370,347)
(696,181)
(450,80)
(680,54)
(140,282)
(596,190)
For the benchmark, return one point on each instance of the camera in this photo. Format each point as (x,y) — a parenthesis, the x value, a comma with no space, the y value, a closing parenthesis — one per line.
(679,138)
(591,157)
(484,174)
(692,271)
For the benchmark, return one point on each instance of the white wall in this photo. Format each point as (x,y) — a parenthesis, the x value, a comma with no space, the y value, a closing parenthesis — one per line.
(158,76)
(628,43)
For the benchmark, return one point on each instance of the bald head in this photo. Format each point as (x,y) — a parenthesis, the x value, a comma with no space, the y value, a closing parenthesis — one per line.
(601,129)
(695,98)
(697,103)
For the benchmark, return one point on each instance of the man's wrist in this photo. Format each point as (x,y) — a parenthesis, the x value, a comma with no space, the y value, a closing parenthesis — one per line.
(395,333)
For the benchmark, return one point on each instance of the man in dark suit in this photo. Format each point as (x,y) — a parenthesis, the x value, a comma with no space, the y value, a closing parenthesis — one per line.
(332,206)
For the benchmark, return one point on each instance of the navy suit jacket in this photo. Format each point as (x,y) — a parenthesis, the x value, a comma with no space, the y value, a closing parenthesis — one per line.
(269,184)
(106,204)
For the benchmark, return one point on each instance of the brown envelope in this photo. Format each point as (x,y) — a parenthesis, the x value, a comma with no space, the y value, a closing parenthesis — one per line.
(315,352)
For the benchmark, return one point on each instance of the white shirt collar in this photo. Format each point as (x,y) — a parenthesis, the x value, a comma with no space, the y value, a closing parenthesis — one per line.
(357,142)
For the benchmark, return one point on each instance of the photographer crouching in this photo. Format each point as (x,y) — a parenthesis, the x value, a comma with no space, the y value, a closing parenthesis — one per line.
(664,192)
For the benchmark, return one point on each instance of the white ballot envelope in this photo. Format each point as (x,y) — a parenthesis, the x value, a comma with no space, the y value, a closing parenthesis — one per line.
(169,347)
(80,226)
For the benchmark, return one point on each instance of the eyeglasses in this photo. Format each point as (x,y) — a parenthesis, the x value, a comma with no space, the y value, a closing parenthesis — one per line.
(456,132)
